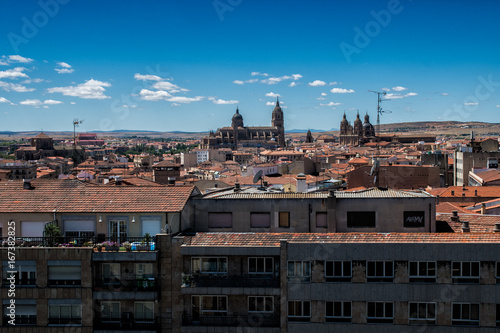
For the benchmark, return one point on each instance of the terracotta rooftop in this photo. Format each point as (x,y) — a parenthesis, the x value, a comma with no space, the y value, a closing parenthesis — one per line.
(469,192)
(477,223)
(74,196)
(273,239)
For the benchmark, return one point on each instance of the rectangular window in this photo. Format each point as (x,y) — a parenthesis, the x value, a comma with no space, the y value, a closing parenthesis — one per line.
(379,312)
(498,315)
(260,304)
(465,314)
(422,313)
(260,220)
(321,220)
(284,220)
(210,305)
(338,271)
(260,267)
(65,275)
(144,312)
(422,271)
(380,271)
(209,265)
(25,314)
(465,271)
(338,312)
(25,273)
(220,220)
(299,271)
(111,273)
(65,314)
(110,312)
(361,219)
(144,270)
(414,219)
(299,311)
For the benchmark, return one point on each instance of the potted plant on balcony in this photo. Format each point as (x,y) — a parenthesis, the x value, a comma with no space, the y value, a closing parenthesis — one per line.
(127,246)
(52,234)
(111,246)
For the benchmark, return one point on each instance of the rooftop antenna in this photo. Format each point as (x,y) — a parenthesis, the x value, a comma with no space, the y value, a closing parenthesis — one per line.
(379,108)
(76,123)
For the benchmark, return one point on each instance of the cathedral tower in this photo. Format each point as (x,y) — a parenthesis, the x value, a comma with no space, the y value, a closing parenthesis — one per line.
(278,122)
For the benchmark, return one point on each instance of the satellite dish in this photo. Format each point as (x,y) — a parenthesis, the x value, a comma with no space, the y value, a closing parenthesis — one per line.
(258,176)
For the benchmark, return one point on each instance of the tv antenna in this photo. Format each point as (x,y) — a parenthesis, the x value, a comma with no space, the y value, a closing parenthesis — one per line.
(380,94)
(76,123)
(259,176)
(375,172)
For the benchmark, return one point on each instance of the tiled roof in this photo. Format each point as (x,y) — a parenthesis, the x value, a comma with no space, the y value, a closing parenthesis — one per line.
(470,191)
(273,239)
(75,196)
(449,207)
(382,193)
(477,223)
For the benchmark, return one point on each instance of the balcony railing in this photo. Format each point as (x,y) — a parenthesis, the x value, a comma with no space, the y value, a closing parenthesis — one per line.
(219,281)
(65,321)
(98,243)
(257,320)
(124,284)
(54,282)
(127,322)
(20,320)
(20,282)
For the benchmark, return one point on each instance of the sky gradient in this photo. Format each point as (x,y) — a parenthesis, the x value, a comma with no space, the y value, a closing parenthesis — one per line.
(186,65)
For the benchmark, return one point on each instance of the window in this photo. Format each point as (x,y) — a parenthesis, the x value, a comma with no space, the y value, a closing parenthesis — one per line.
(299,271)
(338,271)
(284,220)
(321,220)
(118,230)
(25,314)
(260,220)
(379,312)
(260,267)
(339,312)
(25,273)
(209,266)
(414,219)
(422,313)
(422,271)
(65,314)
(144,312)
(69,275)
(465,271)
(220,220)
(498,315)
(210,305)
(260,304)
(299,311)
(379,271)
(465,314)
(111,273)
(361,219)
(110,312)
(143,270)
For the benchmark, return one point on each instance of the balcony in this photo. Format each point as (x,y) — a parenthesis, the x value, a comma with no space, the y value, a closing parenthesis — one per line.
(256,320)
(127,322)
(65,321)
(122,284)
(20,283)
(25,320)
(223,281)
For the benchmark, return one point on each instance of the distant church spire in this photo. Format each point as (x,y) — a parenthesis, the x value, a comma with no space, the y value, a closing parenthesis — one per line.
(277,101)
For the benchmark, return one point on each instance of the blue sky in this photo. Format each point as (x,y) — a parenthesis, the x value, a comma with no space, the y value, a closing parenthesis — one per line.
(186,65)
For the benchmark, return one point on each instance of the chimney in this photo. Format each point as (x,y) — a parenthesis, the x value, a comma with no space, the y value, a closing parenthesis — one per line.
(331,194)
(497,227)
(463,187)
(301,183)
(27,184)
(264,183)
(171,181)
(118,180)
(475,193)
(465,226)
(454,216)
(483,208)
(237,187)
(452,192)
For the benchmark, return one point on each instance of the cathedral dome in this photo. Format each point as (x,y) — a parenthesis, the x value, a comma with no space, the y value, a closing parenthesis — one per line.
(237,119)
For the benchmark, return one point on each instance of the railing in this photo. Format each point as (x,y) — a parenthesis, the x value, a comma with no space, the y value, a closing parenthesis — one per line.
(65,321)
(257,320)
(127,322)
(98,243)
(219,281)
(20,282)
(54,282)
(25,320)
(127,284)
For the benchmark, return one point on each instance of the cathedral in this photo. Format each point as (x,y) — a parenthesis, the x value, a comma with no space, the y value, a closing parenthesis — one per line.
(239,135)
(358,133)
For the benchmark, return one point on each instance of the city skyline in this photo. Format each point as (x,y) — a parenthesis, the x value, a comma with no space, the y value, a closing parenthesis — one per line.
(186,66)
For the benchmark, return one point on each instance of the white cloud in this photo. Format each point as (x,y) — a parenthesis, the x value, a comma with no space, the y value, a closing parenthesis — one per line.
(45,107)
(271,94)
(14,87)
(239,82)
(13,73)
(175,104)
(293,84)
(275,80)
(150,95)
(72,103)
(296,76)
(498,106)
(91,89)
(37,102)
(333,83)
(3,63)
(444,94)
(182,99)
(393,96)
(341,91)
(317,83)
(386,89)
(221,101)
(18,58)
(411,94)
(270,103)
(399,88)
(259,73)
(64,70)
(168,86)
(146,77)
(28,81)
(471,104)
(321,98)
(64,64)
(323,94)
(5,100)
(331,104)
